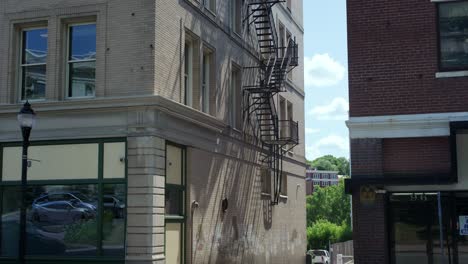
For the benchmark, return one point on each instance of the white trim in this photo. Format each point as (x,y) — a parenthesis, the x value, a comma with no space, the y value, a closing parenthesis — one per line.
(399,126)
(442,1)
(451,74)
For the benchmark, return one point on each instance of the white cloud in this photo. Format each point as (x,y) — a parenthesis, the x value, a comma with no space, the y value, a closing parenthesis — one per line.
(336,110)
(322,70)
(332,144)
(309,130)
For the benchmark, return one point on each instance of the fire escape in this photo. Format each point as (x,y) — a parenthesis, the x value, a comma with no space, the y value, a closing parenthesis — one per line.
(276,60)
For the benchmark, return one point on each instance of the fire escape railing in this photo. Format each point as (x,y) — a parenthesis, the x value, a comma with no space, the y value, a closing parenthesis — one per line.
(275,62)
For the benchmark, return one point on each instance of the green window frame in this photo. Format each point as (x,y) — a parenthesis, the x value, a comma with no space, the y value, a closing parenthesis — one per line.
(180,217)
(100,182)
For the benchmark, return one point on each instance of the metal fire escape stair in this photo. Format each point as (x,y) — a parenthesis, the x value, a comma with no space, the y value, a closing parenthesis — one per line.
(277,136)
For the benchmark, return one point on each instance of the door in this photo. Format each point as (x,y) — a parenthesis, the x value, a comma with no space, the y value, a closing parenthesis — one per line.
(416,233)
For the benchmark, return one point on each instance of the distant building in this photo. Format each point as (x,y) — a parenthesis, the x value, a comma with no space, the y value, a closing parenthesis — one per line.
(320,178)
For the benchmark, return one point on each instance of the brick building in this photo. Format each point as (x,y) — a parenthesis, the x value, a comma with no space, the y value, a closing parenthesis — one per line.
(408,121)
(320,178)
(168,131)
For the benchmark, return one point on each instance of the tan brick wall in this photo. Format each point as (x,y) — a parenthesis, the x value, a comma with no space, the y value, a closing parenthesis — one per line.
(139,52)
(251,230)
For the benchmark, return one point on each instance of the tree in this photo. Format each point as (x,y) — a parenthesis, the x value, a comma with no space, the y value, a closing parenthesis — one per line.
(328,216)
(330,203)
(331,163)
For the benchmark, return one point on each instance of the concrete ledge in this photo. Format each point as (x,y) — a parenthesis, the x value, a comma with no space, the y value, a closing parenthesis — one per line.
(451,74)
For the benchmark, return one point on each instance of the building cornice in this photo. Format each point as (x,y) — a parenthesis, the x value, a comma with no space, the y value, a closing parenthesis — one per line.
(403,126)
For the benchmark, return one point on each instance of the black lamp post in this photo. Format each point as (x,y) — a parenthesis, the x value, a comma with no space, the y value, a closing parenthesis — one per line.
(26,120)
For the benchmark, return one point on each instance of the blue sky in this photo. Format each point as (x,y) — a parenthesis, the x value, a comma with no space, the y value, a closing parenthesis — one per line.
(326,78)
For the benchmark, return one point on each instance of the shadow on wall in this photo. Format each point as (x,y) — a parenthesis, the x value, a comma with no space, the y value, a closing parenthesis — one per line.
(241,234)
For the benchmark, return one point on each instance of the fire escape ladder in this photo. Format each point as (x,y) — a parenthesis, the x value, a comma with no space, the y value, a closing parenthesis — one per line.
(268,78)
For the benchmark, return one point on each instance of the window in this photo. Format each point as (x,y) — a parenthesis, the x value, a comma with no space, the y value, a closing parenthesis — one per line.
(68,216)
(266,181)
(188,73)
(174,204)
(284,184)
(210,5)
(81,60)
(236,16)
(33,63)
(453,27)
(288,42)
(206,81)
(235,108)
(282,115)
(281,34)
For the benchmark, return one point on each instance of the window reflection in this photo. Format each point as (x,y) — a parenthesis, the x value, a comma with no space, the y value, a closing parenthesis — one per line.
(113,220)
(65,216)
(453,25)
(82,60)
(10,221)
(82,79)
(416,232)
(33,64)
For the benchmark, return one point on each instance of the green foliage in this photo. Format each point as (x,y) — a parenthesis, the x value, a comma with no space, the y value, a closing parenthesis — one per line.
(328,216)
(331,163)
(322,232)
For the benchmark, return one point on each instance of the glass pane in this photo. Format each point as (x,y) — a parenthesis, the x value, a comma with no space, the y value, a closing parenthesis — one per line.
(113,229)
(34,46)
(11,169)
(83,42)
(173,243)
(64,162)
(33,82)
(416,231)
(174,200)
(10,222)
(114,160)
(64,218)
(174,165)
(82,79)
(453,24)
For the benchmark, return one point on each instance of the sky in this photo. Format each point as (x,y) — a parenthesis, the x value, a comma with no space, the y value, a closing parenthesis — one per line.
(326,78)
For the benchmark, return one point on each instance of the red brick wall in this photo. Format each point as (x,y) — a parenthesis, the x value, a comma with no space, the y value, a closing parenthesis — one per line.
(366,157)
(393,60)
(416,155)
(370,231)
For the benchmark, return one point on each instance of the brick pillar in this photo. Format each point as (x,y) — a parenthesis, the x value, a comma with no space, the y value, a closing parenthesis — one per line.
(370,234)
(369,218)
(145,211)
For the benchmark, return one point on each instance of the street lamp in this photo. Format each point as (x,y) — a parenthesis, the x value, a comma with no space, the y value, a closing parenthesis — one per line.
(26,120)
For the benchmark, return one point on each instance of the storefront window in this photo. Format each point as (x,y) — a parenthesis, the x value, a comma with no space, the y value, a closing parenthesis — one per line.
(69,214)
(416,230)
(175,196)
(64,217)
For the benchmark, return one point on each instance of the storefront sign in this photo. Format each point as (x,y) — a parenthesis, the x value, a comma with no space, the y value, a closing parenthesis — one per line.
(463,223)
(367,194)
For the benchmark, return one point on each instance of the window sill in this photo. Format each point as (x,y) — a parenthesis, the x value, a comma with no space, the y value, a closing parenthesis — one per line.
(80,97)
(173,217)
(266,195)
(451,74)
(285,197)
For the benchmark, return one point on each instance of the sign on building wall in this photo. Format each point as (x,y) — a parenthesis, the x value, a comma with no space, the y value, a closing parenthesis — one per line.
(367,194)
(463,223)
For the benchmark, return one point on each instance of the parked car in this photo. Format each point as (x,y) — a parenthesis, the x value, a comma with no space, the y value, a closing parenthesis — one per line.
(60,212)
(319,256)
(113,204)
(77,199)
